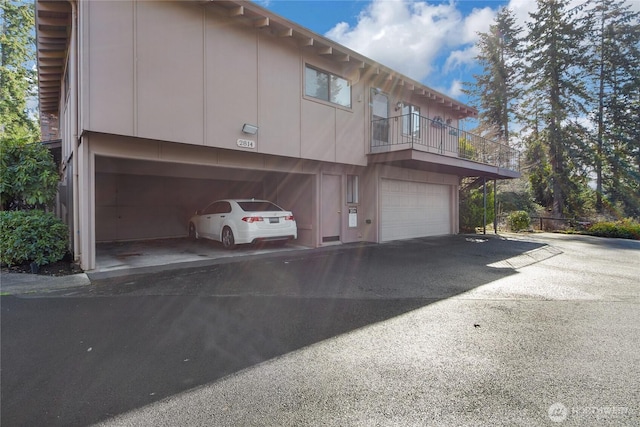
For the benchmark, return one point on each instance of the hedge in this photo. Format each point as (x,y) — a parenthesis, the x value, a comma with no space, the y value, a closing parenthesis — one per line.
(623,229)
(32,236)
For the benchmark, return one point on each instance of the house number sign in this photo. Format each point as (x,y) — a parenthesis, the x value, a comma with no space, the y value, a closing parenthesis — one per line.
(246,143)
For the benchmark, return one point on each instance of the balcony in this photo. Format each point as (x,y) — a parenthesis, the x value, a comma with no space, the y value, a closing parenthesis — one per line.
(418,142)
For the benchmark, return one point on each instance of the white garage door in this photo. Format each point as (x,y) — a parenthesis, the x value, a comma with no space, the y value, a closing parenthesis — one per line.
(414,209)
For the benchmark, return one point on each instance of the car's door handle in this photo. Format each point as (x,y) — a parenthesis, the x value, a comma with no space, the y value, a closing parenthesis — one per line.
(222,216)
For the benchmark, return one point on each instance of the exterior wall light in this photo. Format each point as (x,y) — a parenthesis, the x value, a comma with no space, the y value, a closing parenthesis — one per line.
(249,129)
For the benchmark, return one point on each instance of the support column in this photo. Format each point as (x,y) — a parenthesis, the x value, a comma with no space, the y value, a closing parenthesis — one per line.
(495,206)
(86,203)
(484,203)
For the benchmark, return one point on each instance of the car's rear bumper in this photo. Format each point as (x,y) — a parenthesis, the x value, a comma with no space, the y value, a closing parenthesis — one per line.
(252,236)
(273,239)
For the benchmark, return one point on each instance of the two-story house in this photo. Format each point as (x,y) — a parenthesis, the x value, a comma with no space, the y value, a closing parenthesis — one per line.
(165,106)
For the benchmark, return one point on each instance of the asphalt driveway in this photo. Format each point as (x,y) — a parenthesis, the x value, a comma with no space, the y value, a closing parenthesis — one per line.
(462,330)
(147,256)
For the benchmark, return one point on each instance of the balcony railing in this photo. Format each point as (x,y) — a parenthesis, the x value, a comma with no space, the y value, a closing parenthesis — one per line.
(434,136)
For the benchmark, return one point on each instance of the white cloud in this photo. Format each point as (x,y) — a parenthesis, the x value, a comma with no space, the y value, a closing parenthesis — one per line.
(429,42)
(414,37)
(409,36)
(521,10)
(455,90)
(477,22)
(458,58)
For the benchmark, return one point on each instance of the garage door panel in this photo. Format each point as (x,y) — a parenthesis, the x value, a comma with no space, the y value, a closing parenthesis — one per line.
(414,209)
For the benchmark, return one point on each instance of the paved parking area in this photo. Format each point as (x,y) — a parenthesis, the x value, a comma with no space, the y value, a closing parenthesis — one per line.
(459,330)
(123,258)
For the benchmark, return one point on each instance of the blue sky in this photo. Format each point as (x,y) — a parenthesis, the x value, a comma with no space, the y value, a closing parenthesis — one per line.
(430,41)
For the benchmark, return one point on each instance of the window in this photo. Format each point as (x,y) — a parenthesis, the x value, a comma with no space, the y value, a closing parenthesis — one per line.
(217,208)
(352,188)
(379,116)
(411,120)
(209,209)
(259,206)
(328,87)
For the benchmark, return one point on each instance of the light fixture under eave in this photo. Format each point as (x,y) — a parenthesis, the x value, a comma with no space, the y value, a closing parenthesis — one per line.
(249,129)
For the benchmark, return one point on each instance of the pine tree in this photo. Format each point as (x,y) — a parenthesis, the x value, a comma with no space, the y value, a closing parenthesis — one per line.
(497,89)
(17,76)
(555,95)
(614,67)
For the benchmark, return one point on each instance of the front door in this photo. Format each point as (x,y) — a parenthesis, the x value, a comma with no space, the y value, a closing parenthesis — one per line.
(330,210)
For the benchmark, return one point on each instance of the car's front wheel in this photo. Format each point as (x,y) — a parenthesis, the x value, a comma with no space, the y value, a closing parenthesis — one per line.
(192,231)
(228,241)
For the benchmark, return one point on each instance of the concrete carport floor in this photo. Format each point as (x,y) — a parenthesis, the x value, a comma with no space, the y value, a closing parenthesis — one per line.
(145,256)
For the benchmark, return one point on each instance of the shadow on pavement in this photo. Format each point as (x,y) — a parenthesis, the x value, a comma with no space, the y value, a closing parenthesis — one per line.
(131,341)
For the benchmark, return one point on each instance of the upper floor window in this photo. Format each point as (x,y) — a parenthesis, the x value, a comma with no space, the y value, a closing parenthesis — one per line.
(326,86)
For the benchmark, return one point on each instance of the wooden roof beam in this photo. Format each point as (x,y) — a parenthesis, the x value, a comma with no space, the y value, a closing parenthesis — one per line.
(50,21)
(261,22)
(48,33)
(306,41)
(287,32)
(50,54)
(53,6)
(236,11)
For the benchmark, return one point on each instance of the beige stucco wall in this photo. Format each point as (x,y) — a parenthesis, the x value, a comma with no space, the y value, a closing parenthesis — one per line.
(181,72)
(164,90)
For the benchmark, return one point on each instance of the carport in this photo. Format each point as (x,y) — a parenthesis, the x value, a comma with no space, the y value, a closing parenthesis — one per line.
(141,200)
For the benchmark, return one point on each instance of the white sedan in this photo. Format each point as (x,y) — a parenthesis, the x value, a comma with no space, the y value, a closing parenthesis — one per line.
(243,221)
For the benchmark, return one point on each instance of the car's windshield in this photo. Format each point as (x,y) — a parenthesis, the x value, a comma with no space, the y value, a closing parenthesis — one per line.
(259,206)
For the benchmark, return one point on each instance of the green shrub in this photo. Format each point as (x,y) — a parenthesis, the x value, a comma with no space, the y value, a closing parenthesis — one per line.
(623,229)
(31,236)
(518,220)
(466,149)
(472,208)
(28,175)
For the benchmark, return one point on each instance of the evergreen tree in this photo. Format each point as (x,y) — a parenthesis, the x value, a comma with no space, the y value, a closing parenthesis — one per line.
(614,67)
(497,88)
(17,76)
(555,94)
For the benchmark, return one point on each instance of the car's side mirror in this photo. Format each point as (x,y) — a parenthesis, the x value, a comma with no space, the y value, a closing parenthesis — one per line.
(198,212)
